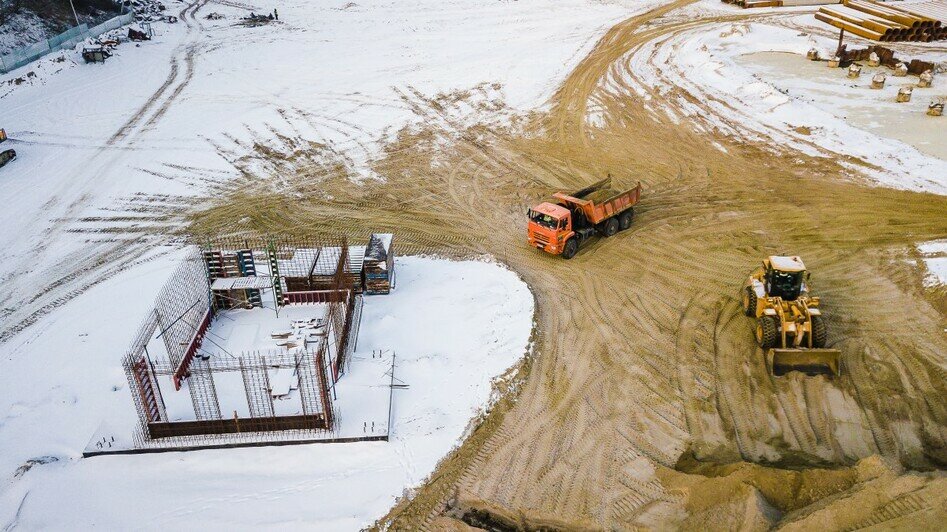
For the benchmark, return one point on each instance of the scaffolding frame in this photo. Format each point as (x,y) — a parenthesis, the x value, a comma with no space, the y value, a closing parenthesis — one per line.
(185,308)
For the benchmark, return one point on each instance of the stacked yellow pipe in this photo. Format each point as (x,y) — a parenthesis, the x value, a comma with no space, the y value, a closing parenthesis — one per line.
(883,22)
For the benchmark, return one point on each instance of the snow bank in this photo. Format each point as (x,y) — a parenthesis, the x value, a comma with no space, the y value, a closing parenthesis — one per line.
(454,326)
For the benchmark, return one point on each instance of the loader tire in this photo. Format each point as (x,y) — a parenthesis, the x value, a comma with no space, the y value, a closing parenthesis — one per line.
(610,227)
(749,301)
(766,332)
(624,219)
(570,249)
(819,332)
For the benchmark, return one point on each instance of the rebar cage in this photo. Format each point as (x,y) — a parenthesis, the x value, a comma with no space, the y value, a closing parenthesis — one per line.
(238,272)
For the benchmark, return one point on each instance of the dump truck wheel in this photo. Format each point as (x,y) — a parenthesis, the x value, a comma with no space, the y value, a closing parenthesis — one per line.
(819,332)
(610,227)
(570,249)
(624,219)
(749,301)
(766,332)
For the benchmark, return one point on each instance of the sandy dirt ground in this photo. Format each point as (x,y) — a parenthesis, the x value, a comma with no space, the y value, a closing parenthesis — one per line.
(647,403)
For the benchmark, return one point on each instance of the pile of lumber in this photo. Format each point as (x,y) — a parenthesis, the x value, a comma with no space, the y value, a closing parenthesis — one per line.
(780,3)
(924,22)
(378,266)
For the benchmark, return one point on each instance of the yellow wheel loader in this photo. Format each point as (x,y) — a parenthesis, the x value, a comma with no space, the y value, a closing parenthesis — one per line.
(789,324)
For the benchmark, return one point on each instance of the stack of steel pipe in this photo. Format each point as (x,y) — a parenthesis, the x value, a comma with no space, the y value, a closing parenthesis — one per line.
(935,10)
(883,22)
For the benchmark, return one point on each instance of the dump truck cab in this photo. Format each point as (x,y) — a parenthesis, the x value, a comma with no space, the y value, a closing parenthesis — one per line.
(549,227)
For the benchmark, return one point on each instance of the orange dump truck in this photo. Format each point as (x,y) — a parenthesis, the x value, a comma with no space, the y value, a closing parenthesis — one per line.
(560,228)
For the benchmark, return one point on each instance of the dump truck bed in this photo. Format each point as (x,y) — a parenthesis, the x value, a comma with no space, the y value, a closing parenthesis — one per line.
(598,211)
(601,196)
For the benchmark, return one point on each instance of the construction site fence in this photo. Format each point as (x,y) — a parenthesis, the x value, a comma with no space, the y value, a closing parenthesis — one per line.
(67,39)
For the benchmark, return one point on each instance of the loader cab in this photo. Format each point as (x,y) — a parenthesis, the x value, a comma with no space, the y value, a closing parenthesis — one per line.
(784,277)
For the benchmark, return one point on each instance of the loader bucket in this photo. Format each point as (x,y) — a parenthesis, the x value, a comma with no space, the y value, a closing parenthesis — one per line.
(809,361)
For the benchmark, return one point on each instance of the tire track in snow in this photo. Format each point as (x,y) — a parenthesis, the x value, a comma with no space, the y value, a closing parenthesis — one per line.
(28,298)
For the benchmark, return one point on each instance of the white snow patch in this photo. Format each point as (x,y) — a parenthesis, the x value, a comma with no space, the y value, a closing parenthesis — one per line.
(21,29)
(454,327)
(934,256)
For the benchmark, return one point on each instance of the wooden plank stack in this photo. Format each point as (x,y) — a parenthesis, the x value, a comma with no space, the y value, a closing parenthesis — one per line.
(884,22)
(379,264)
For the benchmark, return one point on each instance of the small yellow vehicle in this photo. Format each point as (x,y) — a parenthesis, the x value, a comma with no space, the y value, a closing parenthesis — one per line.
(789,324)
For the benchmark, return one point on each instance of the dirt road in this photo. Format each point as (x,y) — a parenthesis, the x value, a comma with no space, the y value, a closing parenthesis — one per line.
(647,403)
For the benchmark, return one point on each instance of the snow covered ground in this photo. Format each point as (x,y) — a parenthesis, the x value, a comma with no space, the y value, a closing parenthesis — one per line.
(482,313)
(22,29)
(249,332)
(80,266)
(824,113)
(98,144)
(935,260)
(852,100)
(79,269)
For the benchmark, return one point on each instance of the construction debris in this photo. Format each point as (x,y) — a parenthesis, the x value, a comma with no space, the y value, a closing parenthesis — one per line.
(137,35)
(904,94)
(887,23)
(147,10)
(885,57)
(96,54)
(7,156)
(779,3)
(379,264)
(256,20)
